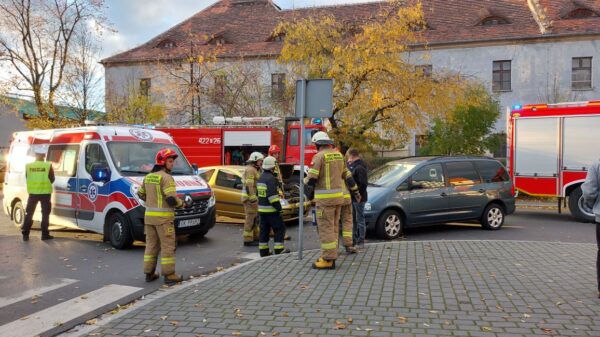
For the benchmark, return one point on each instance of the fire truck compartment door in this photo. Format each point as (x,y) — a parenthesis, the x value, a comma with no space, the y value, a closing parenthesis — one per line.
(243,138)
(536,147)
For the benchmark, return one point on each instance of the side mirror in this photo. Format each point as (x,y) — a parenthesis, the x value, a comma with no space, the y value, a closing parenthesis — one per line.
(100,173)
(195,168)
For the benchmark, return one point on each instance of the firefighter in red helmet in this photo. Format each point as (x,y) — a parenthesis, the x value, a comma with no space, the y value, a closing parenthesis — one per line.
(160,196)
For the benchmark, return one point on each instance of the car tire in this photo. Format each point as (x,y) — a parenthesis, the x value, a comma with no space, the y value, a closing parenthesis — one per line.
(493,217)
(18,214)
(576,206)
(390,225)
(119,231)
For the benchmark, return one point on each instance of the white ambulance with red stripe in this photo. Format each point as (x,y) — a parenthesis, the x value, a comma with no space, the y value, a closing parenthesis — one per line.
(98,170)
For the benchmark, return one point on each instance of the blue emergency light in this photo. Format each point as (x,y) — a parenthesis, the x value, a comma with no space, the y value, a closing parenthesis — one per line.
(517,107)
(317,121)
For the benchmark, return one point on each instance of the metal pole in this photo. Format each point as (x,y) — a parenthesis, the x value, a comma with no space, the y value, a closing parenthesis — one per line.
(301,139)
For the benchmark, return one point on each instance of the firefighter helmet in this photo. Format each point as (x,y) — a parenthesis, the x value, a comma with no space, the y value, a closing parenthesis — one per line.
(254,157)
(274,149)
(321,138)
(269,163)
(163,154)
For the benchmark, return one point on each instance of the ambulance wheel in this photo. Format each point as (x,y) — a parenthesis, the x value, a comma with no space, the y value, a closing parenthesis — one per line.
(18,214)
(577,208)
(119,231)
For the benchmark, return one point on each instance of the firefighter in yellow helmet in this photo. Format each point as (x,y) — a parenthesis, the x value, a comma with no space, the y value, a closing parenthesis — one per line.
(249,198)
(327,175)
(158,192)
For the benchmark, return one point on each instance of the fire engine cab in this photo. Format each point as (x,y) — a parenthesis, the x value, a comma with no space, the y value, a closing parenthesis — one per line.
(98,171)
(551,147)
(229,141)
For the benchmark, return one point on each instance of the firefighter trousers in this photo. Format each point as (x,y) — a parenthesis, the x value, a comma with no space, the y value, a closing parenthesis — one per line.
(328,219)
(347,225)
(251,221)
(45,202)
(160,239)
(268,222)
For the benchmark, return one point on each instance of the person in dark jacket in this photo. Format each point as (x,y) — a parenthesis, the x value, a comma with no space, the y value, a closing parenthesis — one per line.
(591,197)
(269,209)
(359,172)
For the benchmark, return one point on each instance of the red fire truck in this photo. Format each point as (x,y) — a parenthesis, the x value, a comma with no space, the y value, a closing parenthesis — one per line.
(551,146)
(231,140)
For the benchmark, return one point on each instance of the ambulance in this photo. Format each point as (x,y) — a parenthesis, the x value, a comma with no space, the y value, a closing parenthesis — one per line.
(98,171)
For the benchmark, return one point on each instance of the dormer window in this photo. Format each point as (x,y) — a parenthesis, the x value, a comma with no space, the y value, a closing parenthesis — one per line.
(581,13)
(166,44)
(494,21)
(217,40)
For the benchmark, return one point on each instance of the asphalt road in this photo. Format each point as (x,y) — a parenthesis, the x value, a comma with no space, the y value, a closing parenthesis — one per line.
(37,276)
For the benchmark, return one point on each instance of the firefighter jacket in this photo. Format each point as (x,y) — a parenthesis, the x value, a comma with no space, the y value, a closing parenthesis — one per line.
(39,176)
(331,174)
(158,189)
(268,193)
(249,178)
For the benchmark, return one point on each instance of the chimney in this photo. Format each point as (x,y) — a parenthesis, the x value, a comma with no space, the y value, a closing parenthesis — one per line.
(540,16)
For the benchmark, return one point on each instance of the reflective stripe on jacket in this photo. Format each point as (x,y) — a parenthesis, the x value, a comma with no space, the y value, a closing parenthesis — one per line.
(268,193)
(329,169)
(155,190)
(249,178)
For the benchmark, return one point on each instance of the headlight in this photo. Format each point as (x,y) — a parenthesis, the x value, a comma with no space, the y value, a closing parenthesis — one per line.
(134,190)
(212,201)
(283,202)
(367,206)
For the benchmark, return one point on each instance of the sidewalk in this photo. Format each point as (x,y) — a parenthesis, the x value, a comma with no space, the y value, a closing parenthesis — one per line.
(434,288)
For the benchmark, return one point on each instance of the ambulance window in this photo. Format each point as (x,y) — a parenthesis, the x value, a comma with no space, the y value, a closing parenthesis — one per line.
(94,154)
(63,159)
(19,156)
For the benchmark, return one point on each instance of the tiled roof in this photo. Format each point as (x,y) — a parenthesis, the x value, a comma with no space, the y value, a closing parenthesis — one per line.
(246,25)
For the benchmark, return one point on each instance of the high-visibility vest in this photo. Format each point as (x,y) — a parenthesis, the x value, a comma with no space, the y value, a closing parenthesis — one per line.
(38,181)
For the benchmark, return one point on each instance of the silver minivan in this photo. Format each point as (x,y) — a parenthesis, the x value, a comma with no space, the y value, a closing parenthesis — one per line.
(420,191)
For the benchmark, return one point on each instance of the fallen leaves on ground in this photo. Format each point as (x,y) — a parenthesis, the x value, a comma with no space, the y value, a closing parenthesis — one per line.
(486,328)
(174,323)
(91,321)
(339,325)
(350,320)
(548,331)
(402,319)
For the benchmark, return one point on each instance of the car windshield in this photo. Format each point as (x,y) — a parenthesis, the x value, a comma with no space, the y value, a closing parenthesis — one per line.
(389,173)
(137,158)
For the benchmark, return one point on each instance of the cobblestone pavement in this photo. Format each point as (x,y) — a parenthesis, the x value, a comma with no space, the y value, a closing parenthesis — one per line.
(438,288)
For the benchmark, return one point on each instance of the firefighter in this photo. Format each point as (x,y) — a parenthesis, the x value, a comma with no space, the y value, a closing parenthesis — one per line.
(39,176)
(249,198)
(327,175)
(158,192)
(269,209)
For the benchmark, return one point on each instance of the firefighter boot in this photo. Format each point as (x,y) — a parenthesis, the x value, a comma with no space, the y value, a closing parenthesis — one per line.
(281,251)
(151,276)
(173,279)
(264,252)
(351,250)
(321,263)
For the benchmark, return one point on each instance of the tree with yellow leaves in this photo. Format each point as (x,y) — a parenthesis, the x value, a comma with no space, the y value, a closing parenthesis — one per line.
(379,97)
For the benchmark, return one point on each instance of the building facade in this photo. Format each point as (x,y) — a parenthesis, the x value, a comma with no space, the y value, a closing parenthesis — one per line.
(525,51)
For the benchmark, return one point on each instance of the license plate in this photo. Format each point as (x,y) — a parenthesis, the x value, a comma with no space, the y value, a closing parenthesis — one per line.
(189,223)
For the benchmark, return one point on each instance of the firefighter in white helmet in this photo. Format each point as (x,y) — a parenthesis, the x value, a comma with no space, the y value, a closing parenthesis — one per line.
(269,209)
(250,199)
(327,175)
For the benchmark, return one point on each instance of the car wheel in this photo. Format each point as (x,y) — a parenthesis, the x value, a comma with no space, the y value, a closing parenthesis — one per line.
(18,214)
(120,231)
(390,225)
(493,217)
(577,208)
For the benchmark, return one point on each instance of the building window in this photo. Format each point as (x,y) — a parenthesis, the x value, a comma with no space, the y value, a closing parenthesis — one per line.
(501,76)
(580,13)
(581,73)
(145,84)
(425,69)
(494,21)
(277,86)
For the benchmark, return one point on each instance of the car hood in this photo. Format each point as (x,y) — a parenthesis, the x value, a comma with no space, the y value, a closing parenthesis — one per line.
(376,192)
(192,185)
